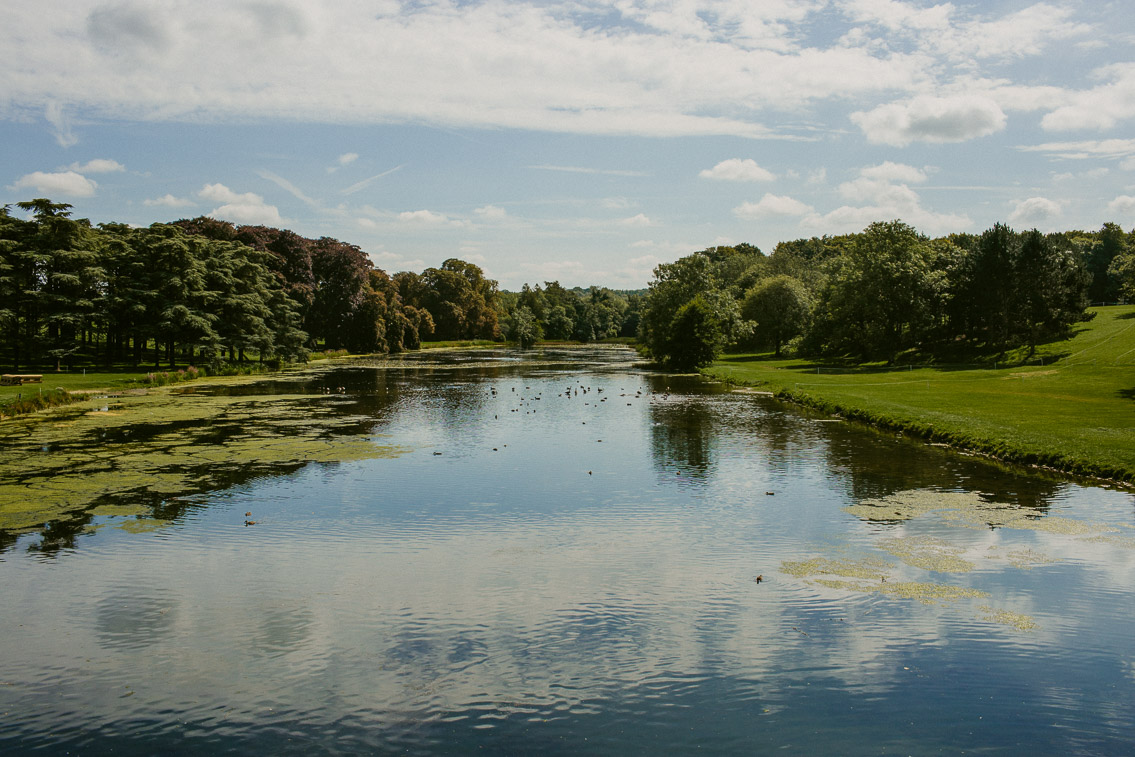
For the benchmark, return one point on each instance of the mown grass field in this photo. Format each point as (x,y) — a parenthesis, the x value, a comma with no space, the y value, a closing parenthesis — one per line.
(1071,407)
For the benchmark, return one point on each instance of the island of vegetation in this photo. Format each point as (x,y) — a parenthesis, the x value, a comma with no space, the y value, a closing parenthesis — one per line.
(988,342)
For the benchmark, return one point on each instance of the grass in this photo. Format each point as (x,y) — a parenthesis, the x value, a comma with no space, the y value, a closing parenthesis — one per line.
(462,343)
(1070,407)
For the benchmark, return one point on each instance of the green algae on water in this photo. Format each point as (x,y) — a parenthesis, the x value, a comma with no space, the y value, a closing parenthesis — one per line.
(927,553)
(165,445)
(969,510)
(1016,620)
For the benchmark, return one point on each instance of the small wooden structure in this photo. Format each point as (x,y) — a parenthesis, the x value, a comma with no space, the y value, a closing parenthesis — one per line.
(16,379)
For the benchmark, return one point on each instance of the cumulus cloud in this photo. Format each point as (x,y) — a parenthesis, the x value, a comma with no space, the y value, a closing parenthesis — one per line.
(1124,206)
(736,169)
(98,165)
(1035,211)
(169,201)
(883,193)
(62,183)
(1098,108)
(771,206)
(640,219)
(246,208)
(931,119)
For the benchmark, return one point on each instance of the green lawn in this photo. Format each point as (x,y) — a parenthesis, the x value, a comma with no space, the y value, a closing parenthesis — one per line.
(74,381)
(1076,411)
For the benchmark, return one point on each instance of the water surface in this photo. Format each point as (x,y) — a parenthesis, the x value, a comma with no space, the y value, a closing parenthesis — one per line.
(553,552)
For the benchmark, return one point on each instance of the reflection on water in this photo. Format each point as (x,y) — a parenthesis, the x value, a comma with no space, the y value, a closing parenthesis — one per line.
(562,558)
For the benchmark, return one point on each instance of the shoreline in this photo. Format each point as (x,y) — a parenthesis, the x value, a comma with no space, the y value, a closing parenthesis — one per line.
(998,450)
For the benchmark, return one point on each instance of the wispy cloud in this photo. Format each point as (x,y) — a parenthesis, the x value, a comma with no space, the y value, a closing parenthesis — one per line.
(287,186)
(359,186)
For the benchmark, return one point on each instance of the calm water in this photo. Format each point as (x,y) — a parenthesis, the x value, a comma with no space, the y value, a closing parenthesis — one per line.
(561,558)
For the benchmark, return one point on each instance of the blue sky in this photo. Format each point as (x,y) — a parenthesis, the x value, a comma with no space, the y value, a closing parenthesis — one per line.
(579,141)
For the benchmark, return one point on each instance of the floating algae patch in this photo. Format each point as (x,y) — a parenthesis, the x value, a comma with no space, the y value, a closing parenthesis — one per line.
(927,553)
(1027,559)
(915,503)
(163,445)
(869,575)
(868,567)
(969,510)
(926,593)
(1009,618)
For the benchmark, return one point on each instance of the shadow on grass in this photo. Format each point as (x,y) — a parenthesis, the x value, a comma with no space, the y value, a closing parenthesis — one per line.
(1127,394)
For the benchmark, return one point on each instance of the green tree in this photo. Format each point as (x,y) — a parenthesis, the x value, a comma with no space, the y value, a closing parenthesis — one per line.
(780,306)
(523,328)
(696,335)
(675,285)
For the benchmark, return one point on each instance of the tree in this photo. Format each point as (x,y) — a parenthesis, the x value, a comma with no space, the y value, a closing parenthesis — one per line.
(523,328)
(882,296)
(780,306)
(696,335)
(714,322)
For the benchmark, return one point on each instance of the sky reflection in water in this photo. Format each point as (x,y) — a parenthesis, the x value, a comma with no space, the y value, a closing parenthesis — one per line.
(554,572)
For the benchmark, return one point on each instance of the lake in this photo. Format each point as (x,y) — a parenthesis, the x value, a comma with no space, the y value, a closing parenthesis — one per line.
(544,552)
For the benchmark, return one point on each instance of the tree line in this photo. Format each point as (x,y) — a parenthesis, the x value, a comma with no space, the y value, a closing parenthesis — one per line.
(885,292)
(205,291)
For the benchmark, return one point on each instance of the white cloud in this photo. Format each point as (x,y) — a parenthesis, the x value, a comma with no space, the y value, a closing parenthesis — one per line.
(771,206)
(1034,212)
(736,169)
(1124,205)
(169,201)
(345,159)
(931,119)
(640,219)
(883,193)
(361,185)
(247,208)
(1102,148)
(98,165)
(426,217)
(1098,108)
(942,30)
(648,69)
(60,124)
(888,171)
(287,186)
(491,213)
(63,183)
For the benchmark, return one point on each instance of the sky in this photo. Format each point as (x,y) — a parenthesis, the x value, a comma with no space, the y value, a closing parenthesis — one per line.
(584,141)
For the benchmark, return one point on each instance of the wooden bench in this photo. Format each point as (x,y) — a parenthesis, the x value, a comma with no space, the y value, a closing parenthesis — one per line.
(16,379)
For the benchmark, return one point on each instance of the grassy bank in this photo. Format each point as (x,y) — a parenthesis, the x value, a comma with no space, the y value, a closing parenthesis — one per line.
(1070,407)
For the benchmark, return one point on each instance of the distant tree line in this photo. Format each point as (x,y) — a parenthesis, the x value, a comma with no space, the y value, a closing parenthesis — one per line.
(885,292)
(554,313)
(206,291)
